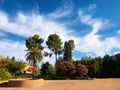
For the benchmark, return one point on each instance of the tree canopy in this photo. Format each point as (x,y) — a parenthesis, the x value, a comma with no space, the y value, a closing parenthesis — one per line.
(54,44)
(68,47)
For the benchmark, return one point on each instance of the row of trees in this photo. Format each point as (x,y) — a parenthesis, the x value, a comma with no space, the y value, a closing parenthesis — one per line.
(108,66)
(35,49)
(63,69)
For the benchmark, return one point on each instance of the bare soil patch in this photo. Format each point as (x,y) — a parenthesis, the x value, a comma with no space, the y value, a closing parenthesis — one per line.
(96,84)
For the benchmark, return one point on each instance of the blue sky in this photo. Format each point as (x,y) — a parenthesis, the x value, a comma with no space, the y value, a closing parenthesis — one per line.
(93,24)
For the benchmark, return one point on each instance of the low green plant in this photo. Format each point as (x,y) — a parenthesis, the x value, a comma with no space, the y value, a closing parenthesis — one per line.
(5,75)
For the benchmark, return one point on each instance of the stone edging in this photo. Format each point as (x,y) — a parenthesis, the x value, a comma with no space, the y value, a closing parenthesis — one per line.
(25,82)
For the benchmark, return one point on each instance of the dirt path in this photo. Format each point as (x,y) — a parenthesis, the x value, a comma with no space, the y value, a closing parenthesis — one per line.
(97,84)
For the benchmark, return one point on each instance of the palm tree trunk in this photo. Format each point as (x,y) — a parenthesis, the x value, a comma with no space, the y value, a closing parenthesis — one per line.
(56,56)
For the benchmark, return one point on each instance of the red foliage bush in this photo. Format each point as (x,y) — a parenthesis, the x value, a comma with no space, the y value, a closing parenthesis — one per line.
(65,68)
(81,69)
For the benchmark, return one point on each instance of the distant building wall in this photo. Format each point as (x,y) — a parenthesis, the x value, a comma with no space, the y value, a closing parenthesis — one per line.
(29,69)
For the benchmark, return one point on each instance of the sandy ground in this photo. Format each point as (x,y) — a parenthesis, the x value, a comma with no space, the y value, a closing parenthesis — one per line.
(96,84)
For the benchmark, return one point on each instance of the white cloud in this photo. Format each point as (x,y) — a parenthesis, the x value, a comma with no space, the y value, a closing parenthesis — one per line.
(63,11)
(10,48)
(95,23)
(92,6)
(118,31)
(91,42)
(29,24)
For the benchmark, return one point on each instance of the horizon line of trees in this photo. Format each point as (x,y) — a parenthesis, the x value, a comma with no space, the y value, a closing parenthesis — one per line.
(108,66)
(65,67)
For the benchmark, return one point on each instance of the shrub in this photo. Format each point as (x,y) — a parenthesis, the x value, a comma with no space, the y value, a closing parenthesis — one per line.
(65,68)
(47,69)
(81,69)
(16,67)
(5,75)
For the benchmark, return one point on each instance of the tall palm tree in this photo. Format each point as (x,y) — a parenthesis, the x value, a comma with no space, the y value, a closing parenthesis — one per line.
(34,50)
(34,56)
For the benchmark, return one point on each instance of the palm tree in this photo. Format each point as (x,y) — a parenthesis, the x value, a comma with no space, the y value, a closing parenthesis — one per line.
(34,50)
(33,56)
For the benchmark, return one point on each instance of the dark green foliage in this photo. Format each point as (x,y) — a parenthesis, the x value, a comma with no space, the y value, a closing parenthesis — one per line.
(16,68)
(67,54)
(107,69)
(110,66)
(68,47)
(34,42)
(93,67)
(84,60)
(47,69)
(13,59)
(54,44)
(34,52)
(4,64)
(116,58)
(5,75)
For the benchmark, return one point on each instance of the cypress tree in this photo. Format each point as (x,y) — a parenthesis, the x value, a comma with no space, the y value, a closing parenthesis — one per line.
(68,47)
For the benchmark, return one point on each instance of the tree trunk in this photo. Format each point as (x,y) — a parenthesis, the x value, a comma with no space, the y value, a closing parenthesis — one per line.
(56,56)
(34,66)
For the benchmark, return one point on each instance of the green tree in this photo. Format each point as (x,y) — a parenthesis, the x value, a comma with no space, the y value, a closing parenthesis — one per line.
(54,44)
(34,50)
(93,67)
(68,47)
(16,67)
(108,66)
(12,66)
(84,60)
(4,63)
(13,59)
(47,69)
(116,59)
